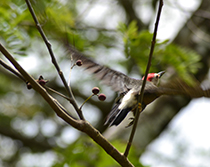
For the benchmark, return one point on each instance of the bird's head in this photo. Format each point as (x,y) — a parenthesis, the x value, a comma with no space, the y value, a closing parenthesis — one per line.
(154,77)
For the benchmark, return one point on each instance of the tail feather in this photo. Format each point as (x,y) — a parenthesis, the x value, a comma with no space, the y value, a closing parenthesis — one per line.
(119,117)
(111,116)
(116,115)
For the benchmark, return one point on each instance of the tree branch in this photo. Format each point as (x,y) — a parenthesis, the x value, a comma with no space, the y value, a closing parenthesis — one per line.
(140,98)
(49,47)
(81,125)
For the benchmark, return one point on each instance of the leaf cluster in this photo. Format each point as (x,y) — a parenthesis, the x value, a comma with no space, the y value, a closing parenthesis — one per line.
(183,61)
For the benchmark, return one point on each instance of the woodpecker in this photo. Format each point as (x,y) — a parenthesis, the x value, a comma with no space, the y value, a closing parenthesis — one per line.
(129,88)
(128,101)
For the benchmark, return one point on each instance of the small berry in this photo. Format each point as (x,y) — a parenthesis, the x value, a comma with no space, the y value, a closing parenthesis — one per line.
(29,86)
(95,90)
(102,97)
(42,81)
(79,62)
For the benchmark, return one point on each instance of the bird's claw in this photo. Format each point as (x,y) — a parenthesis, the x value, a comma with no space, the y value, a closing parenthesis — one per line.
(139,107)
(131,123)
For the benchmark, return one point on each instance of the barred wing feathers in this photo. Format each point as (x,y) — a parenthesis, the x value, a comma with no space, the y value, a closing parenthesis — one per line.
(118,81)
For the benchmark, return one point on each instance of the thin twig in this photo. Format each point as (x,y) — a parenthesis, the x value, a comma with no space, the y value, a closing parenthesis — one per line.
(86,100)
(15,72)
(49,47)
(58,93)
(11,69)
(140,98)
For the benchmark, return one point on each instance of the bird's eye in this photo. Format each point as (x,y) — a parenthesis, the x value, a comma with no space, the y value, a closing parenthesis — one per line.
(157,76)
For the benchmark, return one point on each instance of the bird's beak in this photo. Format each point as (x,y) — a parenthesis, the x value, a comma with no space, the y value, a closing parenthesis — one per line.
(161,73)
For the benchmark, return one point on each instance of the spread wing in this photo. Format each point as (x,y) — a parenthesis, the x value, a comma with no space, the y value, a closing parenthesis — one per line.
(118,81)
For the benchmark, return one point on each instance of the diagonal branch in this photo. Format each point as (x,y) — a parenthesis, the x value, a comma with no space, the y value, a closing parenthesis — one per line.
(49,47)
(140,98)
(81,125)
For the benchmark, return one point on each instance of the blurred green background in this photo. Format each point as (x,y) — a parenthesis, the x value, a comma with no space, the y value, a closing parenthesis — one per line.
(115,33)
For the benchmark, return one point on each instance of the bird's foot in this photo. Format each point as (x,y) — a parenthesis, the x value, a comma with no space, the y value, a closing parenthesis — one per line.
(139,107)
(131,123)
